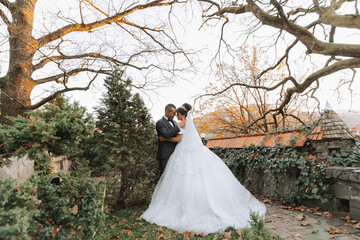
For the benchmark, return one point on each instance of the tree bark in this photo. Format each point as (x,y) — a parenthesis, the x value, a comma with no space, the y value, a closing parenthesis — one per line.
(17,85)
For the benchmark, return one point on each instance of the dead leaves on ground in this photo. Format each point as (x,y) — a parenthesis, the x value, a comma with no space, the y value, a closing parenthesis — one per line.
(160,233)
(338,231)
(351,223)
(188,234)
(315,211)
(301,218)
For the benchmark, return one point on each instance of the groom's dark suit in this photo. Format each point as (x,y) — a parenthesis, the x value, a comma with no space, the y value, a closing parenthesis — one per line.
(165,129)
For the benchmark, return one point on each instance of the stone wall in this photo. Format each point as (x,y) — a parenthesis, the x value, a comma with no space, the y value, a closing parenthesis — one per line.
(22,168)
(346,186)
(322,148)
(18,168)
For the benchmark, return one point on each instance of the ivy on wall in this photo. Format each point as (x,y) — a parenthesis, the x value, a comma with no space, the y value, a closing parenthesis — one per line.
(267,170)
(347,158)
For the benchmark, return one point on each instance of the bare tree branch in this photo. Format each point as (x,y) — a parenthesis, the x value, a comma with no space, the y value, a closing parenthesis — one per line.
(302,34)
(72,72)
(6,3)
(307,38)
(54,95)
(344,64)
(4,18)
(90,26)
(94,55)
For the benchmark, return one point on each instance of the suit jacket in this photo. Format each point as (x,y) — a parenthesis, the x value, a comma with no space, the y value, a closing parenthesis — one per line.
(164,128)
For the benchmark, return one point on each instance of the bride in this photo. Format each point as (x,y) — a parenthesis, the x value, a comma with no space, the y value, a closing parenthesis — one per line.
(197,191)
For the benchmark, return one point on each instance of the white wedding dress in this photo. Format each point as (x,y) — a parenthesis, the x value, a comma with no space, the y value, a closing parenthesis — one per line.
(197,191)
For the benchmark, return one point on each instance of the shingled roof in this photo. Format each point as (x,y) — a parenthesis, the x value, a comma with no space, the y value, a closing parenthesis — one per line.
(268,140)
(330,126)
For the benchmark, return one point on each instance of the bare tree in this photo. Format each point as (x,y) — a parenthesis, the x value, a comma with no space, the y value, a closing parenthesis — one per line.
(311,27)
(237,105)
(80,40)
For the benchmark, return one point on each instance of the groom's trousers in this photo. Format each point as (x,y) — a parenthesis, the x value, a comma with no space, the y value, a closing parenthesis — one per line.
(162,164)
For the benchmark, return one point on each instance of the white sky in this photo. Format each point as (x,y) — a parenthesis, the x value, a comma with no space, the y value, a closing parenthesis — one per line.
(185,91)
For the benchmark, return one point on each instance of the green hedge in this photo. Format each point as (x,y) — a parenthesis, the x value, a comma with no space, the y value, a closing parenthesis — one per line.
(17,208)
(50,131)
(44,210)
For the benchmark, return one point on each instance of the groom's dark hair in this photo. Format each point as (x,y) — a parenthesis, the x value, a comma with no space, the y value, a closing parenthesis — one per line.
(169,107)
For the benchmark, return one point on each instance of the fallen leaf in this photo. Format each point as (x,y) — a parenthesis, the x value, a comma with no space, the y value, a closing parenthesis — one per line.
(286,207)
(133,214)
(300,217)
(48,221)
(317,213)
(130,233)
(327,215)
(226,235)
(162,236)
(72,232)
(187,236)
(333,238)
(267,220)
(124,230)
(347,218)
(304,223)
(115,237)
(197,234)
(75,210)
(338,231)
(357,226)
(55,231)
(301,209)
(160,230)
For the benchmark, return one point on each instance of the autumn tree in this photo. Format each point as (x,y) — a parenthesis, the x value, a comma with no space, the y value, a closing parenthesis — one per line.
(316,37)
(232,110)
(63,43)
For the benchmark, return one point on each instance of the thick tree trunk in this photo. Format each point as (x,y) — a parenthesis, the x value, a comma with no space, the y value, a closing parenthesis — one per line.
(14,97)
(17,85)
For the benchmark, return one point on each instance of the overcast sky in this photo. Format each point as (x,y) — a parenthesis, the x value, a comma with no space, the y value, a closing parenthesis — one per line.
(193,83)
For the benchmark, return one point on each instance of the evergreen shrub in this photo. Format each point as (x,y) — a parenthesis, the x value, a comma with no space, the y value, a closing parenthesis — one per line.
(125,144)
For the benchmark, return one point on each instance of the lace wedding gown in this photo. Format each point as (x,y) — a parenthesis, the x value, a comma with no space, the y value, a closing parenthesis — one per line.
(197,191)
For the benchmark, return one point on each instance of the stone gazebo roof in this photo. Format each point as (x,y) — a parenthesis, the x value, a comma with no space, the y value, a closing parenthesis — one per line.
(330,126)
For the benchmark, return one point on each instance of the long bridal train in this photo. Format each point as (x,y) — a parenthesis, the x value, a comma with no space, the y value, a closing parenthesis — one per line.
(197,192)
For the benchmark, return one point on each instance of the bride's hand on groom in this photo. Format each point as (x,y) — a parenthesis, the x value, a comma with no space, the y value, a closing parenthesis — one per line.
(173,139)
(161,138)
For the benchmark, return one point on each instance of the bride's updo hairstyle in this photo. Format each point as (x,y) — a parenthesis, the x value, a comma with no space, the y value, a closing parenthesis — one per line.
(184,109)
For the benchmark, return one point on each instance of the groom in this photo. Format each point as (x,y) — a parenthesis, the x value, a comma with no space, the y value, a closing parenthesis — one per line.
(167,128)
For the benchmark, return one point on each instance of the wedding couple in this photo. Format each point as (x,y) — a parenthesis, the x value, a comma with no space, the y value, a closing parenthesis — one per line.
(196,191)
